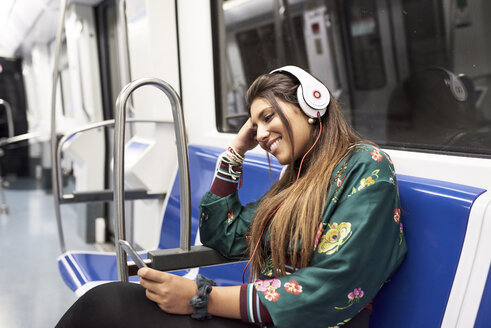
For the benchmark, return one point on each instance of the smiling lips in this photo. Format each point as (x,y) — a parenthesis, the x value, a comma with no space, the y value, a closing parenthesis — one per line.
(273,146)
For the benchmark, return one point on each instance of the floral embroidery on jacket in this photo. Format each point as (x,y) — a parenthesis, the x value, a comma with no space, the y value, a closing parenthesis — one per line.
(336,194)
(368,148)
(318,234)
(230,217)
(268,268)
(397,215)
(376,155)
(268,288)
(353,297)
(339,182)
(336,236)
(293,287)
(366,182)
(401,233)
(271,295)
(340,323)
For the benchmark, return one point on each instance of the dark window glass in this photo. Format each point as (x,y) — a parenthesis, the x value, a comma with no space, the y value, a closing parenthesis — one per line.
(411,74)
(365,42)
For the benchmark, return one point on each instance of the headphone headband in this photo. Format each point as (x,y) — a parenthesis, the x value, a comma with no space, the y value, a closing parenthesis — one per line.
(313,96)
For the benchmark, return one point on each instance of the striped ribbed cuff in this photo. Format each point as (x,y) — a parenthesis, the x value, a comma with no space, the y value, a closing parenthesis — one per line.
(223,185)
(251,308)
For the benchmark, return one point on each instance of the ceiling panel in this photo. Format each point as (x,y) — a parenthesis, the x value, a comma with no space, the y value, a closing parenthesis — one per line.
(30,22)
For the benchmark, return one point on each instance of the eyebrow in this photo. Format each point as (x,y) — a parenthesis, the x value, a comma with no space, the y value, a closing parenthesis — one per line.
(260,115)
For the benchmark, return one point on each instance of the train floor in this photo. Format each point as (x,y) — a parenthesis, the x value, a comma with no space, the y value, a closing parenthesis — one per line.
(32,293)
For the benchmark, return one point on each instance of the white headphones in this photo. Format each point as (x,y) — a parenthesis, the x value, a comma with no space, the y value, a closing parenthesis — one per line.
(457,88)
(313,96)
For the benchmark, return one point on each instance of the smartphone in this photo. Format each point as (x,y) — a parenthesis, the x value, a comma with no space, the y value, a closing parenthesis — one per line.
(132,253)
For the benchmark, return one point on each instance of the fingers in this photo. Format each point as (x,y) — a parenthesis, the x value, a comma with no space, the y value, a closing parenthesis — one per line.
(154,280)
(147,284)
(153,275)
(250,128)
(154,290)
(152,296)
(248,122)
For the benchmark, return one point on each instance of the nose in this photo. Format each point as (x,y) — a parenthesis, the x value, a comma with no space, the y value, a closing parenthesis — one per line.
(262,133)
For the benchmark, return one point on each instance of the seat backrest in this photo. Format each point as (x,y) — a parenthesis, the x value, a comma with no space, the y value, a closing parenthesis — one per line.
(435,216)
(483,318)
(202,164)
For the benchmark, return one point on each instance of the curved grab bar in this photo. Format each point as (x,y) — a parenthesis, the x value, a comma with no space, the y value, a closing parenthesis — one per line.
(88,127)
(59,32)
(182,157)
(10,121)
(58,189)
(22,137)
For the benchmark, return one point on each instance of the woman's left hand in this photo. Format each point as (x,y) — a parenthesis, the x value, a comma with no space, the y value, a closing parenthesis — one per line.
(171,293)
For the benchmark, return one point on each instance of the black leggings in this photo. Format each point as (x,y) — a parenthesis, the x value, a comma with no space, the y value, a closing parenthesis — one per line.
(122,305)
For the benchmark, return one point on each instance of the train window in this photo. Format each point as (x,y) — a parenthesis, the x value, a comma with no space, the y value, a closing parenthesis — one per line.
(409,74)
(365,45)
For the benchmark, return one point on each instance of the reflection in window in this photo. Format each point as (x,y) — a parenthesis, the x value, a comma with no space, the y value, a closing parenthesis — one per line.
(408,73)
(365,43)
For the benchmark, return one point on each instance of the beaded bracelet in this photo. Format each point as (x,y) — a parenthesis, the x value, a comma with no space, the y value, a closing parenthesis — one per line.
(235,153)
(234,162)
(200,301)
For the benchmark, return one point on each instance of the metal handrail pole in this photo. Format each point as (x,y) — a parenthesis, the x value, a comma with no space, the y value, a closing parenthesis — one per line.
(61,22)
(182,157)
(10,121)
(10,132)
(122,39)
(83,129)
(21,137)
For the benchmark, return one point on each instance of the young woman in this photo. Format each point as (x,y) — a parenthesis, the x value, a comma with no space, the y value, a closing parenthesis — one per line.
(321,241)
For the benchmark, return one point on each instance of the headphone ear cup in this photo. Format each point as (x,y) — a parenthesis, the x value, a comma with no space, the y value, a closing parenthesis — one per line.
(454,83)
(457,88)
(308,110)
(301,101)
(313,96)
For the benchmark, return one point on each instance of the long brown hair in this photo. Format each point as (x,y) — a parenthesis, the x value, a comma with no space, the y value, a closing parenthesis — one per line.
(292,228)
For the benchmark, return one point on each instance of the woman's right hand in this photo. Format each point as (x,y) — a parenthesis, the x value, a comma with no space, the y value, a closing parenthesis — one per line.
(245,139)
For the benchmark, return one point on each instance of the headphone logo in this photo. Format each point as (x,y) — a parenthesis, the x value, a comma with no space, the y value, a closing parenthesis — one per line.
(312,101)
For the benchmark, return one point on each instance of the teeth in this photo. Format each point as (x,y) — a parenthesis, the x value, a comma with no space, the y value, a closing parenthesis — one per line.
(274,145)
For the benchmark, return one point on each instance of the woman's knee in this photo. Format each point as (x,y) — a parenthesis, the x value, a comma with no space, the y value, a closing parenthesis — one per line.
(107,303)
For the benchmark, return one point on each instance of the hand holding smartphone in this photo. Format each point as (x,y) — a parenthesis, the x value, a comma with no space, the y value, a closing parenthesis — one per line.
(132,253)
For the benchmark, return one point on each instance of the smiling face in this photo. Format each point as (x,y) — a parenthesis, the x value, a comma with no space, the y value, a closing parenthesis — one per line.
(272,134)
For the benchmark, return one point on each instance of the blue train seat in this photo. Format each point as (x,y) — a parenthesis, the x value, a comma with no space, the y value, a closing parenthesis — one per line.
(435,217)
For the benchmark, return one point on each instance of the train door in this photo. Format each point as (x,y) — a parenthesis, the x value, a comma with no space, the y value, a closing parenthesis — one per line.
(13,100)
(80,91)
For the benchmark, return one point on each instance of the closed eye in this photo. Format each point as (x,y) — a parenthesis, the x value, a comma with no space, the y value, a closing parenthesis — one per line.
(268,117)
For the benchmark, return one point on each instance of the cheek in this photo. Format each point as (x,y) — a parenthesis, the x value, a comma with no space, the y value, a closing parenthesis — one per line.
(302,136)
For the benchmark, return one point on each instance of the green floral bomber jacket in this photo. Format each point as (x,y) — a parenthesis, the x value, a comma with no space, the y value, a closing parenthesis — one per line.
(359,244)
